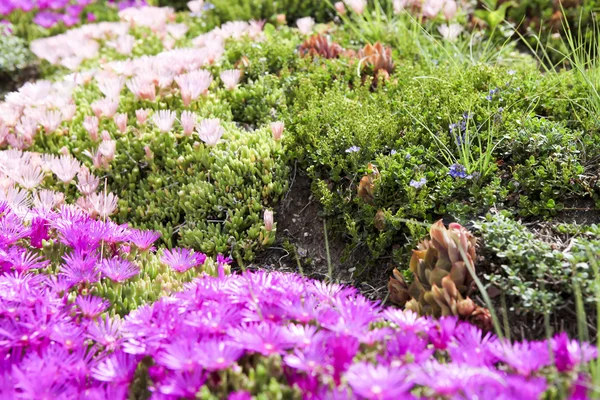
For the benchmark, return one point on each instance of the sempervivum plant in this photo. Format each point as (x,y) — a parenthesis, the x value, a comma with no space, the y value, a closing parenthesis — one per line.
(442,280)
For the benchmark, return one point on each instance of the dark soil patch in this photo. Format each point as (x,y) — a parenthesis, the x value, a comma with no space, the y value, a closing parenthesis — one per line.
(301,245)
(12,82)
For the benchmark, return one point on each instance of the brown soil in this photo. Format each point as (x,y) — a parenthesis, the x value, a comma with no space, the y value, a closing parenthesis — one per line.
(301,240)
(12,82)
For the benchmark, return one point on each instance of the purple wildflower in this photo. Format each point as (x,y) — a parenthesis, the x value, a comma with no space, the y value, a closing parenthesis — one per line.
(118,270)
(182,260)
(117,368)
(47,19)
(264,338)
(143,240)
(91,306)
(418,184)
(458,171)
(378,382)
(570,353)
(353,149)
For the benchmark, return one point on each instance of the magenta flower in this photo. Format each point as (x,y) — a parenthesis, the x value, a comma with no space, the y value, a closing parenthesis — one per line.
(47,19)
(91,306)
(117,368)
(264,338)
(182,260)
(570,353)
(80,268)
(183,384)
(215,354)
(379,382)
(143,240)
(106,332)
(118,270)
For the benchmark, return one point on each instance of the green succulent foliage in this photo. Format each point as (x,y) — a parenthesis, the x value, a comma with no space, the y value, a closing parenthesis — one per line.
(154,281)
(536,276)
(233,10)
(14,54)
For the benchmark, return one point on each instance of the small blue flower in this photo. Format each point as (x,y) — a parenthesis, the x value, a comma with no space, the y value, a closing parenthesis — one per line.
(511,72)
(353,149)
(208,6)
(393,152)
(418,184)
(458,171)
(490,96)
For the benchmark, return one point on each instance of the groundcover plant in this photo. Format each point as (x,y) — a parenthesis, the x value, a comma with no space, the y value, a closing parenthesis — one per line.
(299,200)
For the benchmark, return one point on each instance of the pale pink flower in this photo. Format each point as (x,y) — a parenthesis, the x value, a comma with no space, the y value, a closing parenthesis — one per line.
(45,199)
(64,151)
(277,129)
(399,6)
(164,120)
(450,32)
(210,131)
(358,6)
(108,148)
(195,6)
(47,161)
(168,43)
(111,87)
(340,7)
(27,127)
(104,205)
(305,25)
(19,141)
(231,78)
(431,8)
(18,199)
(90,123)
(193,84)
(68,112)
(50,120)
(4,131)
(124,44)
(188,122)
(148,152)
(65,168)
(121,122)
(142,116)
(268,220)
(85,205)
(449,10)
(142,89)
(177,31)
(99,161)
(106,107)
(87,182)
(30,177)
(105,135)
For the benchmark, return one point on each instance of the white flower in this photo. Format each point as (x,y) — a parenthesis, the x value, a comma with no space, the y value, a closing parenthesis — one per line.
(210,131)
(305,25)
(231,78)
(104,205)
(164,120)
(450,32)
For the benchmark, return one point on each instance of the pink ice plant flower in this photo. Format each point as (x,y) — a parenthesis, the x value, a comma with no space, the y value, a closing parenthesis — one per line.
(210,131)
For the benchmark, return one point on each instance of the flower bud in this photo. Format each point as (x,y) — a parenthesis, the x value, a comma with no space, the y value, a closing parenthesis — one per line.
(149,153)
(340,7)
(121,121)
(141,115)
(277,129)
(268,219)
(281,19)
